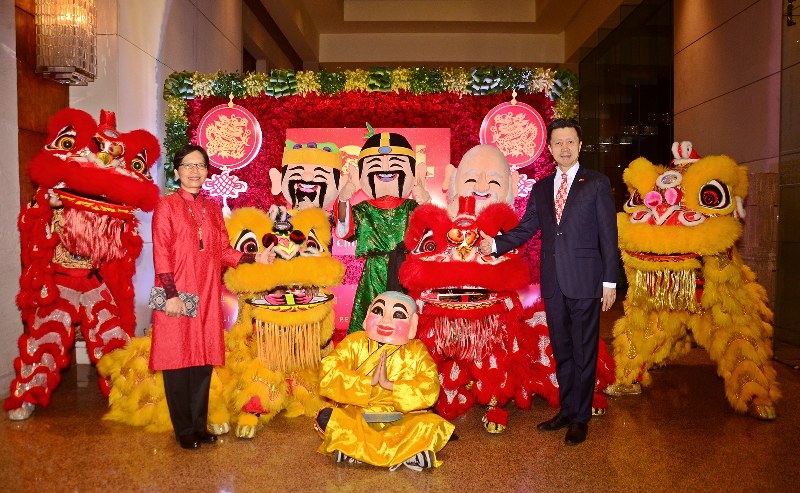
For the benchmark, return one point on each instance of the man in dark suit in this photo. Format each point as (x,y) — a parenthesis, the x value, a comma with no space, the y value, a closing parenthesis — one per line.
(575,211)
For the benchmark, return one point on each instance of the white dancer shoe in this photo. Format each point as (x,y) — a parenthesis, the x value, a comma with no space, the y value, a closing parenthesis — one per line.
(420,461)
(21,413)
(339,456)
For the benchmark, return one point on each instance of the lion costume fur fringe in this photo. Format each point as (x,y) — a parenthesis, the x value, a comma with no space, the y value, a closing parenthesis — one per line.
(687,280)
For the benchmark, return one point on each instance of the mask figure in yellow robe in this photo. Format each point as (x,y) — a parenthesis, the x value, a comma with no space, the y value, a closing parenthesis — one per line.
(382,380)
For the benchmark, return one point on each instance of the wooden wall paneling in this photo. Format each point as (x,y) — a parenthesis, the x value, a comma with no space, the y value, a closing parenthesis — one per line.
(38,98)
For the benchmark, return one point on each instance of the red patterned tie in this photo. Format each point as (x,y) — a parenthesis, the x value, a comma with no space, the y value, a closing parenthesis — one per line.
(561,197)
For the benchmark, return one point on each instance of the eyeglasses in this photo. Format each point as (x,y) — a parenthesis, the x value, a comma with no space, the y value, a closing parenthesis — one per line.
(194,166)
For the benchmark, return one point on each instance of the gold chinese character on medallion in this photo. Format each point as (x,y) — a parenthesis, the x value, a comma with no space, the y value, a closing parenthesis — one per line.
(228,137)
(514,135)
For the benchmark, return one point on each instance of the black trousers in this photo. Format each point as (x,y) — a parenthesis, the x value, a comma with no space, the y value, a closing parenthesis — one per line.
(187,398)
(574,336)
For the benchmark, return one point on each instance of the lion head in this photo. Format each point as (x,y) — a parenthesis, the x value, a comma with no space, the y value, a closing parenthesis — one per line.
(680,212)
(303,266)
(445,266)
(96,168)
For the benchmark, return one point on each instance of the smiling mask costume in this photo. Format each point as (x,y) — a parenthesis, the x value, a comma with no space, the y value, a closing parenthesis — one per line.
(371,423)
(310,175)
(386,173)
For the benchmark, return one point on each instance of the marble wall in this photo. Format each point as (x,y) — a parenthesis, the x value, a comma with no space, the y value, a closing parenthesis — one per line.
(727,101)
(11,327)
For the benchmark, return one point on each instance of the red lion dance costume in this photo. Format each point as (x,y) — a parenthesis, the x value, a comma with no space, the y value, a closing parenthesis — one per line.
(487,348)
(470,315)
(79,247)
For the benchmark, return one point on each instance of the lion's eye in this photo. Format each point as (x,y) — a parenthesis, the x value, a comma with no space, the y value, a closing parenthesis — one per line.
(635,199)
(715,195)
(247,242)
(140,166)
(426,244)
(312,246)
(66,142)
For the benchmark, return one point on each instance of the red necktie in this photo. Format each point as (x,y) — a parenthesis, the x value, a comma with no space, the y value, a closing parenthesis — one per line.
(561,197)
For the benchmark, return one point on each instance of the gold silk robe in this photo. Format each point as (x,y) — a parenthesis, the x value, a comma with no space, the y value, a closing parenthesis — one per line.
(346,379)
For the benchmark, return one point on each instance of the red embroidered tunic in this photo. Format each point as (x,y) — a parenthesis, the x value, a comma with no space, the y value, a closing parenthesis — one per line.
(181,342)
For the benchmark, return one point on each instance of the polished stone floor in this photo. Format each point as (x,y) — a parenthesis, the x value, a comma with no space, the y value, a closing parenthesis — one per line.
(680,435)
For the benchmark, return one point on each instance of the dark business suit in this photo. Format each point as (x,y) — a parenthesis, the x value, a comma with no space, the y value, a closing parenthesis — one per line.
(577,256)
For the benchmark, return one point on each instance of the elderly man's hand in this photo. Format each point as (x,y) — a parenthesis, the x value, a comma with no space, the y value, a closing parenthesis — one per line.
(486,244)
(348,189)
(609,296)
(420,193)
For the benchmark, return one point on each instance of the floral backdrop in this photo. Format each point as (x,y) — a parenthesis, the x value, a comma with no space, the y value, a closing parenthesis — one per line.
(454,98)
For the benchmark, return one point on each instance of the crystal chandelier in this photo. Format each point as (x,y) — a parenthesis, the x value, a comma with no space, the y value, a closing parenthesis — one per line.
(66,40)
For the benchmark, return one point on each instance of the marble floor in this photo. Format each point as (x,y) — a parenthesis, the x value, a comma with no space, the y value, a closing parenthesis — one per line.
(679,435)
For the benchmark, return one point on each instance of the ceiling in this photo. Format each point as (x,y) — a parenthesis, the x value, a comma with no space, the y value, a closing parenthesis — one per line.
(361,33)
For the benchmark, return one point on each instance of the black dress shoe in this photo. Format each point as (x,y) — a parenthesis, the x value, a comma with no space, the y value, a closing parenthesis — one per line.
(556,423)
(576,433)
(189,441)
(206,437)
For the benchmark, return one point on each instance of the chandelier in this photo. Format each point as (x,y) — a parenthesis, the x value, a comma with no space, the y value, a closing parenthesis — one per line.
(66,40)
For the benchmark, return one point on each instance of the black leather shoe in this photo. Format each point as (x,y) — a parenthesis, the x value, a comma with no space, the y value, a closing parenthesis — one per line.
(206,437)
(576,433)
(189,441)
(555,423)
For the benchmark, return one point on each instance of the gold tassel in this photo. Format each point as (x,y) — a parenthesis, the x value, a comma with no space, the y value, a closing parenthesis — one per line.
(288,349)
(666,289)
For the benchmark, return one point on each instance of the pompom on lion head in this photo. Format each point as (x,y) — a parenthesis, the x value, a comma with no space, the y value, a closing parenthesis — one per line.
(303,266)
(96,167)
(691,208)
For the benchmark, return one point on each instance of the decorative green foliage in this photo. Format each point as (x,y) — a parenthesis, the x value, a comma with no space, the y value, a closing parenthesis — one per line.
(426,81)
(560,86)
(331,82)
(380,79)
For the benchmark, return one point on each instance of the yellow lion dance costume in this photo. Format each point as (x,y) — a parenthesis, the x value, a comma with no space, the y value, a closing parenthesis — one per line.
(687,280)
(283,330)
(286,322)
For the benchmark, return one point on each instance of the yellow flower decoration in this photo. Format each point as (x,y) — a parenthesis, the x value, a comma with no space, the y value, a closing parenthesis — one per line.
(255,83)
(541,80)
(176,109)
(567,105)
(455,80)
(203,84)
(356,80)
(401,79)
(307,81)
